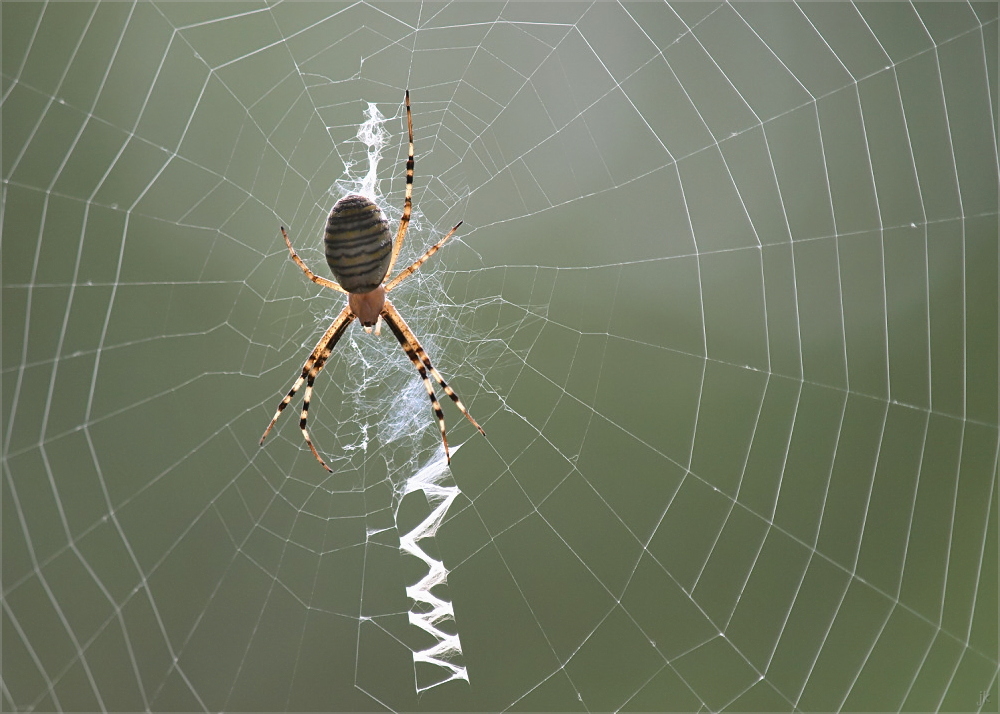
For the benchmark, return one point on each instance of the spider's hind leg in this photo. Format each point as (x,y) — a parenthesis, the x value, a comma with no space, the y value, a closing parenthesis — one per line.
(403,274)
(305,269)
(404,220)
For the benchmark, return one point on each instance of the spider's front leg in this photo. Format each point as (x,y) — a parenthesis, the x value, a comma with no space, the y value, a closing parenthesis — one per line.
(315,363)
(411,345)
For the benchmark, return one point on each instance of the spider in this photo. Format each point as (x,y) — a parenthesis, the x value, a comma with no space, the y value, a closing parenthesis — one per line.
(361,254)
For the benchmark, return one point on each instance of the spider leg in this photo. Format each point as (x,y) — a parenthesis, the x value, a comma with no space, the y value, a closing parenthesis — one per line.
(435,404)
(404,221)
(403,274)
(310,274)
(411,345)
(305,414)
(315,363)
(444,385)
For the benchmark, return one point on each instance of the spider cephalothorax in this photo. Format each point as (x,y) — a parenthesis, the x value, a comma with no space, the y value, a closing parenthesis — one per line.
(361,254)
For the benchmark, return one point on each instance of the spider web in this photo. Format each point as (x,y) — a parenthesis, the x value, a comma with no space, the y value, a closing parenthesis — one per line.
(725,301)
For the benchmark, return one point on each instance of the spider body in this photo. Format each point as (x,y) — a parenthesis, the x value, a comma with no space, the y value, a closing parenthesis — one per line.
(361,254)
(358,244)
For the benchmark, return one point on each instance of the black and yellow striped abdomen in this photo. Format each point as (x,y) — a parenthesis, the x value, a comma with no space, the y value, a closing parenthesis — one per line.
(358,244)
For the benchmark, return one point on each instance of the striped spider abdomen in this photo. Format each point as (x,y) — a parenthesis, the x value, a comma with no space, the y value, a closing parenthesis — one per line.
(358,244)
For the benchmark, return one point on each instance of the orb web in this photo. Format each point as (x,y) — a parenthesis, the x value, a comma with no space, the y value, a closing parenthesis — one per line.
(724,299)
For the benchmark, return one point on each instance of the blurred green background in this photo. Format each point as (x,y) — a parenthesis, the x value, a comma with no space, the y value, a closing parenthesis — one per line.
(724,299)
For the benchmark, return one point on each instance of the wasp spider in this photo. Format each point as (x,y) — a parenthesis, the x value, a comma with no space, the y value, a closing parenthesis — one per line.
(361,254)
